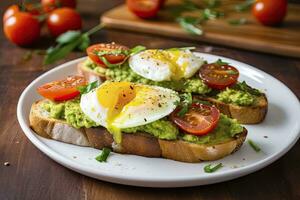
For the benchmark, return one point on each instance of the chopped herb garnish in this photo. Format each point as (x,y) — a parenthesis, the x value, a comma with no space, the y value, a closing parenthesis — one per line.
(190,24)
(246,5)
(186,100)
(231,72)
(236,22)
(211,14)
(104,155)
(88,88)
(221,62)
(108,64)
(209,169)
(137,49)
(253,145)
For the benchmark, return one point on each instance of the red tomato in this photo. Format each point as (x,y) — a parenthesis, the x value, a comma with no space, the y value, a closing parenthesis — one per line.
(62,90)
(110,56)
(62,20)
(218,76)
(144,8)
(49,5)
(270,12)
(199,120)
(22,28)
(10,11)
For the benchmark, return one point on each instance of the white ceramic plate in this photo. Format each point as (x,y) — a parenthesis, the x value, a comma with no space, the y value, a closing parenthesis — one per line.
(281,127)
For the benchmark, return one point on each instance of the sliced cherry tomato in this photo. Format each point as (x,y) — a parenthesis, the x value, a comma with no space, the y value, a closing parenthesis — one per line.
(50,5)
(110,56)
(10,11)
(199,120)
(144,8)
(218,76)
(63,19)
(22,28)
(62,90)
(270,12)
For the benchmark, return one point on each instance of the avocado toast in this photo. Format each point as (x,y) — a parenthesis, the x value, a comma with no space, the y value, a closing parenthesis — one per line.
(235,99)
(134,119)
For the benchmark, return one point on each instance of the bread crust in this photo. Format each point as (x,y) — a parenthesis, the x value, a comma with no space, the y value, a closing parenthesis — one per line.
(243,114)
(137,143)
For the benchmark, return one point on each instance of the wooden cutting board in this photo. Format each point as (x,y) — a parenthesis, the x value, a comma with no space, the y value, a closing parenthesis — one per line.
(283,40)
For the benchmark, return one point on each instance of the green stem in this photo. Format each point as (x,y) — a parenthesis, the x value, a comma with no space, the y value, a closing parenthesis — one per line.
(95,29)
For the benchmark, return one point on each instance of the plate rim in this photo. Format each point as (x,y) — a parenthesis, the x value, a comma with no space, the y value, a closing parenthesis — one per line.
(142,181)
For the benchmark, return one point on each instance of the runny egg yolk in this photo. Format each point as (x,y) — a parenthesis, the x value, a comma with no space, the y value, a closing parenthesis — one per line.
(170,57)
(114,97)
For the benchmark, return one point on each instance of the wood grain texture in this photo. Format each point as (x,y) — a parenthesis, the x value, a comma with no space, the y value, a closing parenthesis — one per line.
(283,40)
(34,176)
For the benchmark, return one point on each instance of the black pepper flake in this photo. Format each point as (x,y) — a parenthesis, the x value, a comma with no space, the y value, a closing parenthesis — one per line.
(145,119)
(244,158)
(131,87)
(124,95)
(265,136)
(159,104)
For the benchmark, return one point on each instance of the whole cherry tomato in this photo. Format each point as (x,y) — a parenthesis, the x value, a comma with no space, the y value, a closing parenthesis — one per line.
(144,8)
(270,12)
(22,28)
(10,11)
(63,19)
(49,5)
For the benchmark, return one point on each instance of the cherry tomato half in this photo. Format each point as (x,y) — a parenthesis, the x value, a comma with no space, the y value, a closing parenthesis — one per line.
(144,8)
(63,19)
(199,120)
(218,76)
(270,12)
(62,90)
(22,28)
(50,5)
(110,56)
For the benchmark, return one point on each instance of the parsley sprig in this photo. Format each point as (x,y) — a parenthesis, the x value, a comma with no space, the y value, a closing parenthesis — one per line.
(87,88)
(104,155)
(68,42)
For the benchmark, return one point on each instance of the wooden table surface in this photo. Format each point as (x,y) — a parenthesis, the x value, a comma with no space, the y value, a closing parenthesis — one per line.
(32,175)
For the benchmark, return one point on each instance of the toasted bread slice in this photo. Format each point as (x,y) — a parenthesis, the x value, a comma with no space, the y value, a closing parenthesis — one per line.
(244,114)
(137,144)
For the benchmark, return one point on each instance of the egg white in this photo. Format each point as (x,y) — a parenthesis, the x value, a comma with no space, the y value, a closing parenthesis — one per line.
(149,104)
(161,65)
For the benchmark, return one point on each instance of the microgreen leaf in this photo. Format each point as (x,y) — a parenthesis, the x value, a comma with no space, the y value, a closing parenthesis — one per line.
(186,100)
(68,37)
(87,88)
(211,14)
(246,5)
(108,64)
(209,169)
(104,155)
(236,22)
(243,86)
(253,145)
(189,25)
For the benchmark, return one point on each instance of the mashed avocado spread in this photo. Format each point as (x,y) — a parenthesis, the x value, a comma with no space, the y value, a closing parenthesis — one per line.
(163,129)
(237,97)
(124,73)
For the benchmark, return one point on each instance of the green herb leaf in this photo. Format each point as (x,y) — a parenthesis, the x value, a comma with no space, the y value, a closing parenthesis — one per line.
(221,62)
(231,72)
(85,42)
(186,100)
(209,169)
(108,64)
(209,14)
(246,5)
(59,52)
(253,145)
(104,155)
(237,22)
(87,88)
(137,49)
(68,36)
(189,25)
